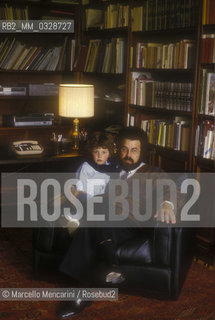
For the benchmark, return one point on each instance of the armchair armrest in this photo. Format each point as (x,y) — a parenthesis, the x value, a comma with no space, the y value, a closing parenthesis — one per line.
(161,246)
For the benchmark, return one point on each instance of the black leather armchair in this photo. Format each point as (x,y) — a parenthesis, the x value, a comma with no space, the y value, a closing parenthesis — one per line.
(157,261)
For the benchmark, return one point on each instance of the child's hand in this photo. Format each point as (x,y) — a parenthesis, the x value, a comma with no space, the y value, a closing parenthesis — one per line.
(76,192)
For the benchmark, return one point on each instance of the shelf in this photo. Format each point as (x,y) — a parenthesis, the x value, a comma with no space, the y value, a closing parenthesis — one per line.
(176,32)
(160,110)
(35,72)
(2,97)
(96,33)
(206,117)
(208,28)
(96,74)
(181,155)
(98,4)
(167,71)
(42,158)
(208,65)
(56,125)
(203,162)
(41,3)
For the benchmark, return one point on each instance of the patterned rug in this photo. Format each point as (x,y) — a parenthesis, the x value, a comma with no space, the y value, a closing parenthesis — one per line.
(196,302)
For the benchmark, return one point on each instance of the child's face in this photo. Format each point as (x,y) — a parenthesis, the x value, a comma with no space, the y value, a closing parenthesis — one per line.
(100,155)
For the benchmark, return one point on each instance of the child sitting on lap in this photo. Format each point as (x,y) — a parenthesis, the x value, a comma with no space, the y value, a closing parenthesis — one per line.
(94,174)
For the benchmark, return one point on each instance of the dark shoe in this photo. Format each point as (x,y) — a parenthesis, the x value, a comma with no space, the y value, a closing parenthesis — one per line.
(70,308)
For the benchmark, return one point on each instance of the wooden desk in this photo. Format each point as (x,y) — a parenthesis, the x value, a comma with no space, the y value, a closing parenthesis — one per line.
(40,163)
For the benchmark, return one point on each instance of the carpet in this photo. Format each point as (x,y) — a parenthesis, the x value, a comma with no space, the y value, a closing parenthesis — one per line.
(196,301)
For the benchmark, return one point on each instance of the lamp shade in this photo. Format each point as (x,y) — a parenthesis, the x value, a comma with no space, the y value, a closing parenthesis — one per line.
(76,100)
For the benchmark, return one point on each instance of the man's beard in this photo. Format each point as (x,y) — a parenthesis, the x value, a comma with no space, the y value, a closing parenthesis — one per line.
(129,166)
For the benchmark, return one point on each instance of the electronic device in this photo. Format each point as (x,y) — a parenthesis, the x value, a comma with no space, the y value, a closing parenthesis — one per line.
(43,89)
(28,120)
(13,91)
(27,147)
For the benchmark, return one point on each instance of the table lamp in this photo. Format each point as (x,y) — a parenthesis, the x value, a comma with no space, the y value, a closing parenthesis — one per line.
(76,101)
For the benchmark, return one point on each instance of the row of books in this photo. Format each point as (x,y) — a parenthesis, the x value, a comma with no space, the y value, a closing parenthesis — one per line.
(164,14)
(114,16)
(173,95)
(160,94)
(8,12)
(172,134)
(208,12)
(205,139)
(208,48)
(177,55)
(106,56)
(16,55)
(207,92)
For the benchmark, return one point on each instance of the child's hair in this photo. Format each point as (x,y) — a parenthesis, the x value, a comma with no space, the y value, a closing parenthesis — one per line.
(103,140)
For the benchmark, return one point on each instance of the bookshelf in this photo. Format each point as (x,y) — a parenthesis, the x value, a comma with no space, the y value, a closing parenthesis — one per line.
(102,58)
(38,58)
(204,153)
(204,118)
(162,74)
(161,70)
(164,68)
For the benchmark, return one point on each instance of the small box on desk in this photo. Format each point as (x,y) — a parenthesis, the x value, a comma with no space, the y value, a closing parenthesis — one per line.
(60,147)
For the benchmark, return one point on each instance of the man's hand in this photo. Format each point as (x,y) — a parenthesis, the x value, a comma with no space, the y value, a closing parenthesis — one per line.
(166,213)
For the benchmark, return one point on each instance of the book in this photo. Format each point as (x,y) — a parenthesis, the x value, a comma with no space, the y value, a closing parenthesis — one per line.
(141,55)
(185,137)
(3,48)
(19,58)
(28,59)
(208,143)
(202,92)
(13,57)
(37,60)
(27,56)
(94,18)
(89,52)
(32,57)
(112,16)
(72,54)
(81,58)
(62,54)
(137,18)
(7,52)
(211,18)
(210,94)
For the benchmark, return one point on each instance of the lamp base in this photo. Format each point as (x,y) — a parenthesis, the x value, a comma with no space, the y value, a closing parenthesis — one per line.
(75,134)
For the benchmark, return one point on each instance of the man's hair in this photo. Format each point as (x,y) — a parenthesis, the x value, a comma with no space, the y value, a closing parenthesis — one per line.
(101,140)
(134,133)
